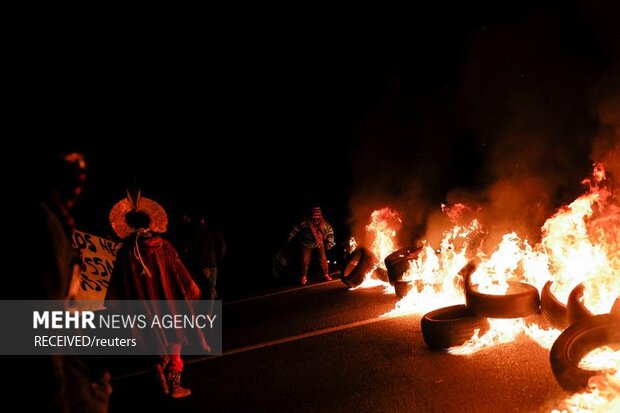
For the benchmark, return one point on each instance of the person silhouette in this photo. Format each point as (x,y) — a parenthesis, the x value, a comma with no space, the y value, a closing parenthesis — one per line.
(313,233)
(149,268)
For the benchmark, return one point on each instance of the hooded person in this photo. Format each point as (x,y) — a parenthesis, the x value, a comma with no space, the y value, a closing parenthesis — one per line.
(149,268)
(314,233)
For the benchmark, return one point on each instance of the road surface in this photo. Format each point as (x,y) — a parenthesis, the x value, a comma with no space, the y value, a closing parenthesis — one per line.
(323,348)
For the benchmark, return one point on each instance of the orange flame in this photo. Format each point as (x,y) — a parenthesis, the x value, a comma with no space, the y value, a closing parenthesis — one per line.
(505,331)
(382,230)
(582,242)
(603,392)
(435,273)
(513,260)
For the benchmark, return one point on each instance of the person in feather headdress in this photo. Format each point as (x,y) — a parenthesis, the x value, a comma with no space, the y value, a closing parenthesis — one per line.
(149,268)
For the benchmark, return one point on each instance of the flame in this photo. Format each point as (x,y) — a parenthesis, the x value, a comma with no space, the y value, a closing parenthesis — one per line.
(582,242)
(544,337)
(572,257)
(514,260)
(382,229)
(505,331)
(371,282)
(603,392)
(501,331)
(435,273)
(601,358)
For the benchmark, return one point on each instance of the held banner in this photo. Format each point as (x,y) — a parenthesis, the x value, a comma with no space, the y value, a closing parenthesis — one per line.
(97,262)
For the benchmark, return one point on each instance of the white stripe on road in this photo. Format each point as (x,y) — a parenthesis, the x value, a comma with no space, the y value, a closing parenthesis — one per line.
(304,335)
(291,290)
(279,341)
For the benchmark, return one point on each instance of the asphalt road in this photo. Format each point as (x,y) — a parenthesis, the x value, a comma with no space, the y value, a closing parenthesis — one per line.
(322,348)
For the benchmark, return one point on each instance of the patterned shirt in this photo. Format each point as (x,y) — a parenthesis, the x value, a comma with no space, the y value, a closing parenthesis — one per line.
(313,235)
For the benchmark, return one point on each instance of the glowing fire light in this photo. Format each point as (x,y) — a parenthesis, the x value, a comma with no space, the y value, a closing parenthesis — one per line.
(513,260)
(501,331)
(382,230)
(582,242)
(435,274)
(603,392)
(505,331)
(601,358)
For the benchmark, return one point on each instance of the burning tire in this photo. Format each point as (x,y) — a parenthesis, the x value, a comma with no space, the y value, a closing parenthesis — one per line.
(576,309)
(577,341)
(397,263)
(380,274)
(451,326)
(552,309)
(402,288)
(359,263)
(520,300)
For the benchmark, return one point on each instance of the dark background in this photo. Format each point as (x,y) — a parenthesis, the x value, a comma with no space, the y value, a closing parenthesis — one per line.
(247,119)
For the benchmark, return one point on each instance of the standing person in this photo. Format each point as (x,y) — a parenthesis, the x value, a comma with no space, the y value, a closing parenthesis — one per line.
(149,268)
(202,249)
(60,383)
(314,233)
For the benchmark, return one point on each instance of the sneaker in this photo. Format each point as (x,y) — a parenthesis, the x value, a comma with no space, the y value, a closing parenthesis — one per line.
(304,280)
(327,277)
(179,392)
(174,385)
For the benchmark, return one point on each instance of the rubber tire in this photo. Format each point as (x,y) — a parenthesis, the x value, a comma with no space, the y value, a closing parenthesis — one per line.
(397,263)
(359,263)
(575,308)
(553,310)
(577,341)
(380,274)
(451,326)
(462,276)
(521,300)
(402,288)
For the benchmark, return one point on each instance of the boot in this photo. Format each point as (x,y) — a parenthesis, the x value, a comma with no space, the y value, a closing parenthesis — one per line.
(174,385)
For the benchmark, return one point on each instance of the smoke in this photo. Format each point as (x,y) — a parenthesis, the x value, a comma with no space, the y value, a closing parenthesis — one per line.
(533,106)
(606,148)
(393,166)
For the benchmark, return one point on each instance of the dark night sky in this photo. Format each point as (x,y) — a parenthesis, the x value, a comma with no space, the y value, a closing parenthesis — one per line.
(289,112)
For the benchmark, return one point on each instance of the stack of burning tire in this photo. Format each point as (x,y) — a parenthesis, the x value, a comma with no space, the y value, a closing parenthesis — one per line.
(585,332)
(452,326)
